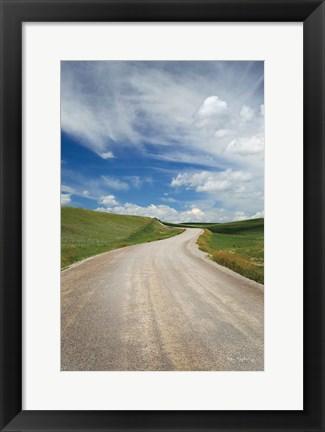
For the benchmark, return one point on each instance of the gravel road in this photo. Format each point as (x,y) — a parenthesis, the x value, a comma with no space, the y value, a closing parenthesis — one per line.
(160,306)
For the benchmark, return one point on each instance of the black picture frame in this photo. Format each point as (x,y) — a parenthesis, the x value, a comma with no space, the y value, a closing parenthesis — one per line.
(13,14)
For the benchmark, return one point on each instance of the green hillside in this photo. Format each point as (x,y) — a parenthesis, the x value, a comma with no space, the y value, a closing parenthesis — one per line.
(238,246)
(85,233)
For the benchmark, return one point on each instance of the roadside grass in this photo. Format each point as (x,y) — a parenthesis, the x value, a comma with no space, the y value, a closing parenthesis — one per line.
(85,233)
(236,245)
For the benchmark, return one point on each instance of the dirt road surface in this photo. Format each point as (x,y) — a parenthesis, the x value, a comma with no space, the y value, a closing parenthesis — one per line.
(160,306)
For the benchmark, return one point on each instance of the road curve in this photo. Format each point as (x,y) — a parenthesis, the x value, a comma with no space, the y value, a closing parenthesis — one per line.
(160,306)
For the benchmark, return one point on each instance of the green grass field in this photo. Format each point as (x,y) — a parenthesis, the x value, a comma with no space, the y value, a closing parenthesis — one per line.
(236,245)
(85,233)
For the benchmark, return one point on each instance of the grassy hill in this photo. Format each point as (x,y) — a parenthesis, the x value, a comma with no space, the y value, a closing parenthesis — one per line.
(250,226)
(85,233)
(236,245)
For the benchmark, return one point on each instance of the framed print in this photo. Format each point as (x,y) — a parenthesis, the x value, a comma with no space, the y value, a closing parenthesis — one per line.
(162,215)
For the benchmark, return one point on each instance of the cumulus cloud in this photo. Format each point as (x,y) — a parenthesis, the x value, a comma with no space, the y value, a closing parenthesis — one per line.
(212,114)
(246,113)
(206,181)
(240,216)
(246,146)
(257,215)
(108,200)
(116,184)
(196,212)
(65,198)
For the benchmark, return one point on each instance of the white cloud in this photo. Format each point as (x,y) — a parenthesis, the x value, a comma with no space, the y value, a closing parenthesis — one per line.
(246,146)
(65,198)
(108,200)
(240,216)
(85,193)
(257,215)
(107,155)
(212,114)
(246,113)
(206,181)
(196,212)
(115,183)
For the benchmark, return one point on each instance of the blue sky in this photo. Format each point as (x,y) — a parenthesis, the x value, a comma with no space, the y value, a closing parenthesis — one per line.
(180,141)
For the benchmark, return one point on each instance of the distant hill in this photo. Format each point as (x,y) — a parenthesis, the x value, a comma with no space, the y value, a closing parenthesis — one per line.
(230,227)
(241,227)
(85,233)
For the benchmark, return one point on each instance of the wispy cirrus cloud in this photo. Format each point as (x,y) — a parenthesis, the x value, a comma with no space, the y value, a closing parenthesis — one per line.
(115,183)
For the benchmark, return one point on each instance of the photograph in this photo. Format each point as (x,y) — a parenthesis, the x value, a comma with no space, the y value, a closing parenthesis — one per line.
(162,215)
